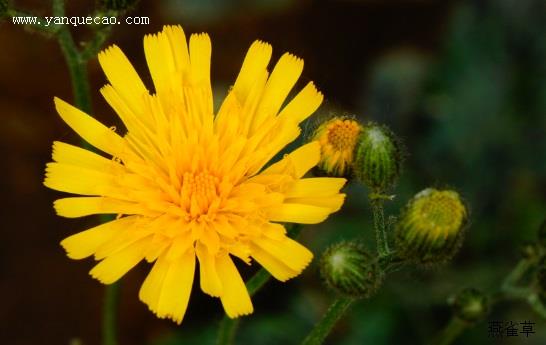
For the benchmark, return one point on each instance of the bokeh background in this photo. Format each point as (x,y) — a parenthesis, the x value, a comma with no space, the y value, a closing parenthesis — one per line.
(463,83)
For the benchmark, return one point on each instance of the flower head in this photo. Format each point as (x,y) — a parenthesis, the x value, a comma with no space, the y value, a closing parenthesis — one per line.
(189,185)
(431,226)
(337,137)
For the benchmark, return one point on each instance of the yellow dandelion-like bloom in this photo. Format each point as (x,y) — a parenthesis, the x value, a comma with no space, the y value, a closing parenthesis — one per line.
(187,184)
(338,138)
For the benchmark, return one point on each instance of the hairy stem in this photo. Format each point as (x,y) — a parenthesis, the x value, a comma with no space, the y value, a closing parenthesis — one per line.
(325,325)
(76,66)
(379,226)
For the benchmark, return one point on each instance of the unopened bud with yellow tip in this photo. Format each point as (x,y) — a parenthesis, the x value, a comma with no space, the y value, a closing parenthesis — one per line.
(378,158)
(350,270)
(337,138)
(431,226)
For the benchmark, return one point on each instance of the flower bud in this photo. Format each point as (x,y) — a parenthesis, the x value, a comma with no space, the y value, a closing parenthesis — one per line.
(117,5)
(337,137)
(431,225)
(470,305)
(350,270)
(378,158)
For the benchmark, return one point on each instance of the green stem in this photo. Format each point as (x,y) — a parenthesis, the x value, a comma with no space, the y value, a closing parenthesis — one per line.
(76,66)
(516,274)
(109,317)
(453,329)
(325,325)
(228,327)
(379,226)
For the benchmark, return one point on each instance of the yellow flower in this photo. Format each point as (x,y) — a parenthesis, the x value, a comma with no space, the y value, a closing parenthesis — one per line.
(338,137)
(187,184)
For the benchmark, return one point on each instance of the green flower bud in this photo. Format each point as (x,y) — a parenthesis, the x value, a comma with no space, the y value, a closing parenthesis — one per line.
(470,305)
(337,138)
(378,158)
(117,5)
(350,270)
(431,225)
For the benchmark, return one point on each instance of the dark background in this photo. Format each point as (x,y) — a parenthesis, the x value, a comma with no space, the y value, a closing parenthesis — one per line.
(461,82)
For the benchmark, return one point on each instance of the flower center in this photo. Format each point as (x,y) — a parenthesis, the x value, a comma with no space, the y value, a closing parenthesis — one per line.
(342,134)
(441,210)
(198,193)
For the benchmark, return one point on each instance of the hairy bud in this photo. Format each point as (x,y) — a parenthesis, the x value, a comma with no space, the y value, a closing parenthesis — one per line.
(378,158)
(350,270)
(337,137)
(431,226)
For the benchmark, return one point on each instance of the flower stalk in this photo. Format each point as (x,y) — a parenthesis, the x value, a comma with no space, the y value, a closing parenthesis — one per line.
(328,321)
(109,317)
(379,226)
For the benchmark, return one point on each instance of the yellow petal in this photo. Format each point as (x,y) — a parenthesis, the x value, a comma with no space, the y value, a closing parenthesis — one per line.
(235,298)
(283,258)
(77,180)
(132,233)
(123,77)
(333,202)
(159,58)
(304,104)
(167,288)
(315,187)
(298,162)
(115,266)
(75,207)
(77,156)
(200,52)
(255,63)
(299,213)
(90,129)
(208,276)
(284,76)
(86,243)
